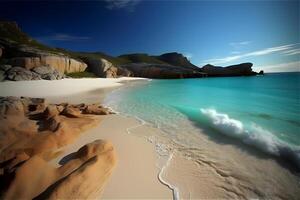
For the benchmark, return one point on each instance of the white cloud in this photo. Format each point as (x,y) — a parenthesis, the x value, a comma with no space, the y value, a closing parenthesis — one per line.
(122,4)
(282,67)
(283,48)
(63,37)
(292,52)
(238,44)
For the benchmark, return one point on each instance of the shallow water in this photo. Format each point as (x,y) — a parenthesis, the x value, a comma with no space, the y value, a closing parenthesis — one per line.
(231,127)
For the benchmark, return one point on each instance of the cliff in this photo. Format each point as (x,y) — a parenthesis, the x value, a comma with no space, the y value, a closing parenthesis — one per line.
(243,69)
(21,55)
(161,71)
(23,58)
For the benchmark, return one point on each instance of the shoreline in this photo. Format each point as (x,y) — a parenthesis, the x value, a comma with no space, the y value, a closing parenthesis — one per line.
(173,170)
(130,150)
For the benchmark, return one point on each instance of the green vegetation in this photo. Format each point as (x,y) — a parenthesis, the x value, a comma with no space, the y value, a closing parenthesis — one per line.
(11,31)
(98,55)
(82,75)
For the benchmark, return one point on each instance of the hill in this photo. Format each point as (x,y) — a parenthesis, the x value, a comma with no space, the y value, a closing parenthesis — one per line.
(24,58)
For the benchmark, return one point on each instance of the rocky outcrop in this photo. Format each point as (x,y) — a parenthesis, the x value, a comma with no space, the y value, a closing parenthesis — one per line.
(63,64)
(96,109)
(243,69)
(21,74)
(101,67)
(33,133)
(177,59)
(19,50)
(8,72)
(162,71)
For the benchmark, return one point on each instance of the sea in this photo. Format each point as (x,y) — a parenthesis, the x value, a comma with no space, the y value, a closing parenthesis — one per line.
(256,112)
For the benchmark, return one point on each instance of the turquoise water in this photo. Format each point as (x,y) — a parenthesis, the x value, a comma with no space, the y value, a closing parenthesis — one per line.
(261,111)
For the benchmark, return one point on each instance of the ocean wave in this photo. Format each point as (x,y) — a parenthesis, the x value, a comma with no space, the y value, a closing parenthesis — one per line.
(254,135)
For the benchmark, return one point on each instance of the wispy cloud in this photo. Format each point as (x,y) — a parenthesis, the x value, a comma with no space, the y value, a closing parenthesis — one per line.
(292,52)
(239,44)
(63,37)
(282,67)
(122,4)
(289,49)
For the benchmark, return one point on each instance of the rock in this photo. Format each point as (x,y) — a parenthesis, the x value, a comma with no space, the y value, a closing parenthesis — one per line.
(38,73)
(32,105)
(124,72)
(36,76)
(177,59)
(60,108)
(243,69)
(19,74)
(101,67)
(26,62)
(51,111)
(261,72)
(82,177)
(2,75)
(96,110)
(5,67)
(53,123)
(43,70)
(11,106)
(88,181)
(63,64)
(21,157)
(162,71)
(71,112)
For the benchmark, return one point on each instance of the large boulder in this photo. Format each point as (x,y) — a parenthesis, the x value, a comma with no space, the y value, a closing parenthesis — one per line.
(63,64)
(20,74)
(11,106)
(71,112)
(5,67)
(95,109)
(48,73)
(101,67)
(124,72)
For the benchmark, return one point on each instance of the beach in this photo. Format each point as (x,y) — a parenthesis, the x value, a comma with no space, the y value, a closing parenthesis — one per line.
(136,174)
(151,164)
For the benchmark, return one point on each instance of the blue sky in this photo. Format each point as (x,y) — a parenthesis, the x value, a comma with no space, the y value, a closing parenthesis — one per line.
(217,32)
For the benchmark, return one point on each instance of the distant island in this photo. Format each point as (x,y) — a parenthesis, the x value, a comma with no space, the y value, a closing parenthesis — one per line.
(23,58)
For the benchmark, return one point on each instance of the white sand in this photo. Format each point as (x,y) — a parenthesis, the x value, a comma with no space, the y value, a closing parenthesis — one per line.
(136,174)
(59,88)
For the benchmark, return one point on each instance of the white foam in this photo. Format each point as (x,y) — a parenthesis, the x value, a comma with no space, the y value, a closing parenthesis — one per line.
(173,188)
(254,135)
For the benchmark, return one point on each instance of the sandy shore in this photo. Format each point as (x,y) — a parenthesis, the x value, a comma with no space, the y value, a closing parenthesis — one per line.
(84,90)
(136,174)
(211,171)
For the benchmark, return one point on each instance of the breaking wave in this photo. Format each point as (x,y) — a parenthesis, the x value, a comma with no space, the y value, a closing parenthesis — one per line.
(254,135)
